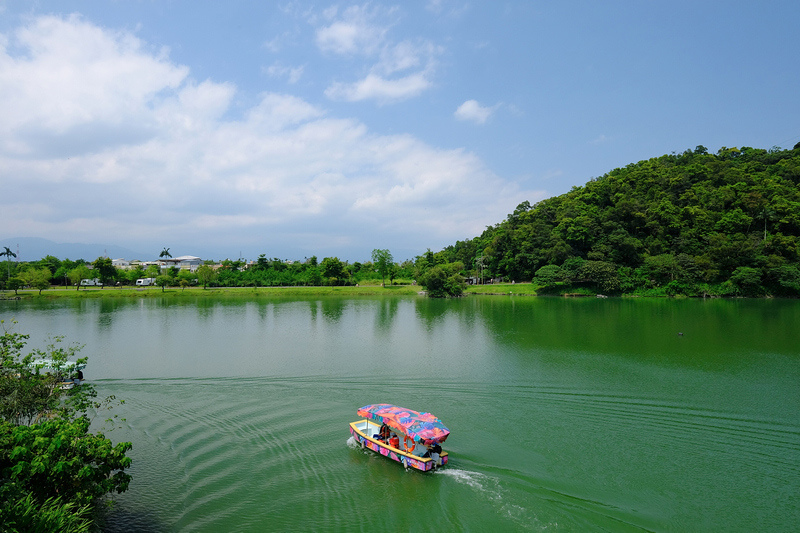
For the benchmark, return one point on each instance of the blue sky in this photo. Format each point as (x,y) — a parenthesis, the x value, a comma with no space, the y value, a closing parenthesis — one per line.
(315,128)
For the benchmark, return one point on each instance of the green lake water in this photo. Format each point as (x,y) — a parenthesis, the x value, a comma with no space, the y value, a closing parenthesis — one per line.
(565,414)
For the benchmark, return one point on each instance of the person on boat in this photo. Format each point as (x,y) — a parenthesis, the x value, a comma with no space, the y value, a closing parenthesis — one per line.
(383,434)
(432,448)
(394,440)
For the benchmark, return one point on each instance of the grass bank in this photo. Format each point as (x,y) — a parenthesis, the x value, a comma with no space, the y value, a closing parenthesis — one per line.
(500,289)
(212,292)
(505,289)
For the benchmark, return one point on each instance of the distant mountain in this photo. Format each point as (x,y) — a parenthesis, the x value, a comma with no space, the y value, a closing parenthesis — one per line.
(33,249)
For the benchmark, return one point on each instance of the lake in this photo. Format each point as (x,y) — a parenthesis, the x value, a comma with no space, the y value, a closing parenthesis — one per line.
(565,414)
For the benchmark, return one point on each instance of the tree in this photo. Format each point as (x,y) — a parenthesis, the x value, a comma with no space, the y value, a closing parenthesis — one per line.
(9,254)
(383,262)
(53,470)
(77,274)
(205,275)
(440,283)
(162,281)
(165,253)
(747,281)
(133,274)
(37,278)
(262,263)
(602,274)
(62,274)
(60,457)
(14,284)
(549,274)
(28,392)
(186,276)
(105,268)
(332,269)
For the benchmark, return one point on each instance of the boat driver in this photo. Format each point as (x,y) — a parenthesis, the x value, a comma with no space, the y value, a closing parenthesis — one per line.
(383,434)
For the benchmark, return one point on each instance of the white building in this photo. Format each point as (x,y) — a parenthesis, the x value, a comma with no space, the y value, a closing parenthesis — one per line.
(184,262)
(121,263)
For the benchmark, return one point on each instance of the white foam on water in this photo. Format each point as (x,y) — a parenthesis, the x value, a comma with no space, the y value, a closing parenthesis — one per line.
(491,488)
(476,480)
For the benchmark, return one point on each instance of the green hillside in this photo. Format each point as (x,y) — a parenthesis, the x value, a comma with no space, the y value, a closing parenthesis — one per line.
(693,223)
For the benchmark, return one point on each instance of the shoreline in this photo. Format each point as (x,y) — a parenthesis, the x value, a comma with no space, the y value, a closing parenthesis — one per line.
(177,293)
(504,289)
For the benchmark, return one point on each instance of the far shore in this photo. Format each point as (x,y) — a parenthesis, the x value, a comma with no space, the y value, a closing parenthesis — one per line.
(255,292)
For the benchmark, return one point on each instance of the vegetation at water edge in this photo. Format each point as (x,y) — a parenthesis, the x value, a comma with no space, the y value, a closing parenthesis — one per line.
(54,472)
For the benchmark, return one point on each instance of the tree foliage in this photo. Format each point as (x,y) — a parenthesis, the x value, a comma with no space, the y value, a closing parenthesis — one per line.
(383,262)
(442,281)
(684,223)
(105,269)
(61,457)
(53,470)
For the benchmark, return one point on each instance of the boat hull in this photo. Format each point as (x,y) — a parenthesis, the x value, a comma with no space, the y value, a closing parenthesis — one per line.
(362,432)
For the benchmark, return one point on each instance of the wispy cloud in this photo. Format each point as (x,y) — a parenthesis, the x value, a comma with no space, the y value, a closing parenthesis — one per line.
(292,74)
(375,87)
(354,31)
(396,70)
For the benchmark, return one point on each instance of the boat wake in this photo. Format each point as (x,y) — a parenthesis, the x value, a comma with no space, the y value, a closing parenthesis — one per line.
(490,489)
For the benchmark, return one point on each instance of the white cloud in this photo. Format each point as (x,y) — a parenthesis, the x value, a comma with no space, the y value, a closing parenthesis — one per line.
(355,32)
(375,87)
(396,70)
(121,144)
(77,77)
(472,111)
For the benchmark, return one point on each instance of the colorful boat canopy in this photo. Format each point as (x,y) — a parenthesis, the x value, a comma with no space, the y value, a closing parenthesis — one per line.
(421,427)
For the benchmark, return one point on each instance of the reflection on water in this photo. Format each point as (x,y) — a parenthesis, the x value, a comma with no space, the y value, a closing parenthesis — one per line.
(571,415)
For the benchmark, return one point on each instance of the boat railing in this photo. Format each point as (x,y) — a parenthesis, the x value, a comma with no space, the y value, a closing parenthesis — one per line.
(369,428)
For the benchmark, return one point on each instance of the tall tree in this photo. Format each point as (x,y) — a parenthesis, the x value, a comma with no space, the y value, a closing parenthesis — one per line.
(9,254)
(105,268)
(383,261)
(333,269)
(205,274)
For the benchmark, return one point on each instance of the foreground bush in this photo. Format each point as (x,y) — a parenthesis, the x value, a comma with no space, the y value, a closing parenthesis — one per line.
(54,473)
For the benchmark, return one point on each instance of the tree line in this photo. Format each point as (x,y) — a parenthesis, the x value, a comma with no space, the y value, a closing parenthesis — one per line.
(264,272)
(694,224)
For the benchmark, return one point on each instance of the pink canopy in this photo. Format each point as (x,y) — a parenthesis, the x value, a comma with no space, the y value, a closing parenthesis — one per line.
(421,427)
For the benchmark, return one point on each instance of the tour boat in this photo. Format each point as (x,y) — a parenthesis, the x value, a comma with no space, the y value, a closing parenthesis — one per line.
(413,435)
(69,373)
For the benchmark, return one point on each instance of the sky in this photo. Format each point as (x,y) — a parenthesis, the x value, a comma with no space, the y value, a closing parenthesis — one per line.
(300,128)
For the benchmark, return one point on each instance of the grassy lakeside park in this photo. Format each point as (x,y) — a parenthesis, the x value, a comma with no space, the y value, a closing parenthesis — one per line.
(257,292)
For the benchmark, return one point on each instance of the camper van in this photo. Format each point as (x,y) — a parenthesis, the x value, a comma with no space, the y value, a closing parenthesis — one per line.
(144,282)
(91,283)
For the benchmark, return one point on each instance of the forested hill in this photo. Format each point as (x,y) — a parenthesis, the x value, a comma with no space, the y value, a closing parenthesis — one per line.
(692,223)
